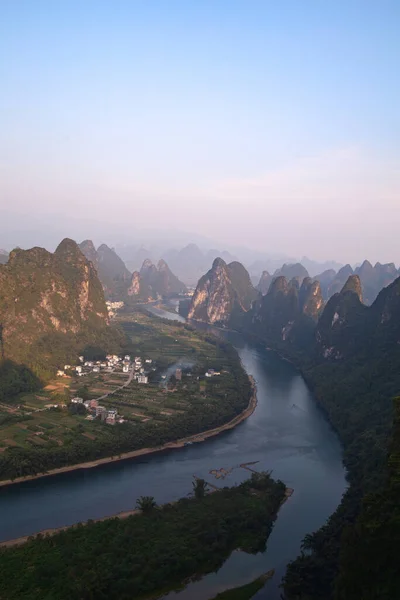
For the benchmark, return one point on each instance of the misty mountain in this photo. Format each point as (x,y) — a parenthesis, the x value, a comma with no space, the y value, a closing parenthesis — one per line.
(325,279)
(189,263)
(134,256)
(223,294)
(288,312)
(339,280)
(314,267)
(291,271)
(3,256)
(110,268)
(373,279)
(264,283)
(153,282)
(160,279)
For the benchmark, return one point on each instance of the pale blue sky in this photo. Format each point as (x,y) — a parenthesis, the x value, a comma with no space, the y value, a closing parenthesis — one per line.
(275,124)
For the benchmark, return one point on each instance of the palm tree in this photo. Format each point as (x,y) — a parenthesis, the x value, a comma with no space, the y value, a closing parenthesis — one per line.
(146,504)
(199,488)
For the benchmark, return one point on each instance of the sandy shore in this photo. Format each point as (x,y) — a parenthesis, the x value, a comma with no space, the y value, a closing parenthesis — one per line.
(200,437)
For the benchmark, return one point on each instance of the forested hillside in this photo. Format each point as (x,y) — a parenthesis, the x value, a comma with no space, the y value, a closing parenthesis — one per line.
(355,385)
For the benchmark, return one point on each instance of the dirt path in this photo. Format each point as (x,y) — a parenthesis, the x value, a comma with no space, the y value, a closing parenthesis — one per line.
(121,387)
(201,437)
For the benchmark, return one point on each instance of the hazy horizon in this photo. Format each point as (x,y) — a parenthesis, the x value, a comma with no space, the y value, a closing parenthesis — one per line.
(270,126)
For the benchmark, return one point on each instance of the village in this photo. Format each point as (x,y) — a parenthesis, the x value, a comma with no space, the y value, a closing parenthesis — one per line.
(137,369)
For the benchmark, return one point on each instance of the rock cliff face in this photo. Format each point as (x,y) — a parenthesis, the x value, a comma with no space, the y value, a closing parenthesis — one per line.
(112,272)
(264,283)
(348,326)
(138,290)
(42,294)
(160,279)
(288,312)
(342,324)
(222,294)
(153,282)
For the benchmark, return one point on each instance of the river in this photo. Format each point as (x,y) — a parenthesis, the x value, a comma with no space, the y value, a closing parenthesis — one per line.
(287,434)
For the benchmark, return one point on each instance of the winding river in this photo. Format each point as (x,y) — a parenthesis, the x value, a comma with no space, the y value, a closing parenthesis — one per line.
(287,434)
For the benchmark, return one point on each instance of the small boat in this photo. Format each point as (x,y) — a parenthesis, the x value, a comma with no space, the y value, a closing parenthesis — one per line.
(188,443)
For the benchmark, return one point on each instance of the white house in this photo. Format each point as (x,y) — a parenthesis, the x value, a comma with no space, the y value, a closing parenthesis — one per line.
(60,373)
(143,379)
(78,369)
(125,369)
(96,369)
(77,400)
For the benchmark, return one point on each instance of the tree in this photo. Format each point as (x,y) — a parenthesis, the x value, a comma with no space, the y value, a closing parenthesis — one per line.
(146,504)
(199,488)
(83,392)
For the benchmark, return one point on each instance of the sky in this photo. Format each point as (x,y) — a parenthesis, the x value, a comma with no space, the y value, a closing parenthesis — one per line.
(268,124)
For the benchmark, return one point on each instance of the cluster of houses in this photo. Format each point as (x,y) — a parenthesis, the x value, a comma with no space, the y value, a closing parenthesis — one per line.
(113,307)
(211,373)
(111,364)
(95,411)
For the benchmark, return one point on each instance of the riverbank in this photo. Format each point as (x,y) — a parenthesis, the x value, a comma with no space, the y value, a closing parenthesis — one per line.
(199,437)
(129,558)
(121,515)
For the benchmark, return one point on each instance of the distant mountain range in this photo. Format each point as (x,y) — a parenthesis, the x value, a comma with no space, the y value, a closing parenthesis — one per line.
(150,283)
(110,268)
(373,279)
(287,305)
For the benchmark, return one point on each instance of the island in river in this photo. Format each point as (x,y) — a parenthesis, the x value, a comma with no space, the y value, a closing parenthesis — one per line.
(145,554)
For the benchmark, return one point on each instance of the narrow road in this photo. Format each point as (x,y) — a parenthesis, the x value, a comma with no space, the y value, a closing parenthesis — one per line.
(121,387)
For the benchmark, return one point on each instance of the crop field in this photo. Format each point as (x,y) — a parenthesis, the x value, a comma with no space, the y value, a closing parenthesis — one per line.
(43,419)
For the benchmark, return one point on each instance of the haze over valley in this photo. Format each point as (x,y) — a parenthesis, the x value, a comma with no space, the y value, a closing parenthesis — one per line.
(199,300)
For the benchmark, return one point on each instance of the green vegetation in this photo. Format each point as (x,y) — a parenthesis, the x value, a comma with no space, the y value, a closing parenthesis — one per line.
(155,414)
(143,555)
(146,504)
(356,392)
(369,566)
(16,379)
(244,592)
(51,308)
(199,488)
(356,396)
